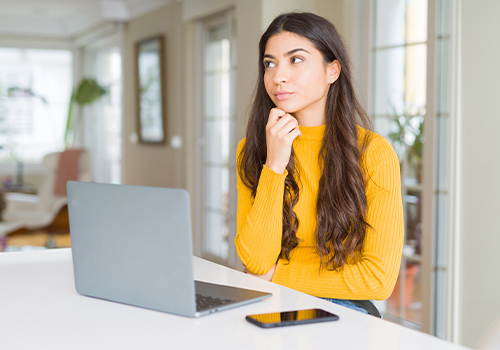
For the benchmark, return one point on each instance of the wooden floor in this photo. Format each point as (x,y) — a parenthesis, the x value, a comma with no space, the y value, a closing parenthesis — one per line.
(39,238)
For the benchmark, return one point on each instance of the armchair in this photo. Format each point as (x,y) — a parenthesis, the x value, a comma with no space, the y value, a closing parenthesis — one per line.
(38,211)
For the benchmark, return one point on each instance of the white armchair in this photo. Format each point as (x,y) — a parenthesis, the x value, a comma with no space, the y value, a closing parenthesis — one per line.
(38,211)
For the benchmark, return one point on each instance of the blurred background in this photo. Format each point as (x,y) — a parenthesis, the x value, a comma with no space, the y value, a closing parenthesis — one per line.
(156,93)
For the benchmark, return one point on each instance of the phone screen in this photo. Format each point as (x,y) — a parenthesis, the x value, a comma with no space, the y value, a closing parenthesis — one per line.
(288,318)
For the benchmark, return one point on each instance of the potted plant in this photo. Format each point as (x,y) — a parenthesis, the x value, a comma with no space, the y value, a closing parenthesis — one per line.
(87,91)
(407,138)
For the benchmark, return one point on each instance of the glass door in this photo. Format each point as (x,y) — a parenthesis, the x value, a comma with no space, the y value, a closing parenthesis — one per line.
(408,108)
(217,129)
(398,110)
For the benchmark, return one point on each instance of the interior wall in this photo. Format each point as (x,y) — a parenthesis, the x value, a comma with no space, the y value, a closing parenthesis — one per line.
(480,159)
(248,31)
(333,10)
(196,9)
(272,8)
(155,165)
(351,19)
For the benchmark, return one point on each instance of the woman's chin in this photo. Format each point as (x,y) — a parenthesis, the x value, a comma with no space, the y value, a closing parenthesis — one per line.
(287,107)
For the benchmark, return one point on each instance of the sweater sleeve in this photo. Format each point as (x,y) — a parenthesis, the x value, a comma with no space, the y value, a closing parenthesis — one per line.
(260,220)
(374,274)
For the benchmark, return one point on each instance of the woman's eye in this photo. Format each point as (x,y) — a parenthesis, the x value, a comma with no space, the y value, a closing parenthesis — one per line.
(296,59)
(269,64)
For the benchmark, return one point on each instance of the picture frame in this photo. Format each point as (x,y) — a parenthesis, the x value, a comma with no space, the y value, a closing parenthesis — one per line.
(150,90)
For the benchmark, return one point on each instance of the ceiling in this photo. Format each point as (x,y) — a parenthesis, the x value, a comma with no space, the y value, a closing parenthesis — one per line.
(67,18)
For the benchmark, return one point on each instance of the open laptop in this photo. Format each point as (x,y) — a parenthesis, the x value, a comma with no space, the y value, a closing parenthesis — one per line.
(133,245)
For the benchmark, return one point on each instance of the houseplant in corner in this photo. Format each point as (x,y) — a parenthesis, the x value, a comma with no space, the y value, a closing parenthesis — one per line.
(87,91)
(407,137)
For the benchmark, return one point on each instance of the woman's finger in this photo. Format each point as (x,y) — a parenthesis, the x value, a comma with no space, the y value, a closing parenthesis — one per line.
(284,120)
(274,116)
(288,128)
(293,134)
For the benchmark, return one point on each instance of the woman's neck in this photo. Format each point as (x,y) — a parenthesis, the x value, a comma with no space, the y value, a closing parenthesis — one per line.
(313,115)
(310,121)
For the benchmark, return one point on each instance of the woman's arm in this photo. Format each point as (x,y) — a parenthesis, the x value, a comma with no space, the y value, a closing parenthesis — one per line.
(267,276)
(374,274)
(260,221)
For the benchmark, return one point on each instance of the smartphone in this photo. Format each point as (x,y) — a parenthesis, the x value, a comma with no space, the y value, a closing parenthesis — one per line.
(290,318)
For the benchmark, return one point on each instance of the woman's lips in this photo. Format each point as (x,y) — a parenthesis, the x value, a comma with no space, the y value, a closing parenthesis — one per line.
(283,95)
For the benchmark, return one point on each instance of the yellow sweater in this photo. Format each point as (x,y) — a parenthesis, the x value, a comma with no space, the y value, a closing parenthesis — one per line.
(260,224)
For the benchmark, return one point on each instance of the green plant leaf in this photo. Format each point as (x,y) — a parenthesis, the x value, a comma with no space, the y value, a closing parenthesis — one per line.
(87,91)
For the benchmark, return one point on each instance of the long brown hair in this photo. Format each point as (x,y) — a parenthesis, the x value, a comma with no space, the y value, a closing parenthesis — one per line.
(341,203)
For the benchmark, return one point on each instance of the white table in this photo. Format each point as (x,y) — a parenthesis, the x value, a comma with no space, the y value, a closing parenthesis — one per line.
(40,309)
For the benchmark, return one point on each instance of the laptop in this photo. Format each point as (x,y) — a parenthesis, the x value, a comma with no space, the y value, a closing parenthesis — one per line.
(133,245)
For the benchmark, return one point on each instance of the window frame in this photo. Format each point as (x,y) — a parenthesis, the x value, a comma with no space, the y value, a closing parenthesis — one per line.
(430,152)
(201,26)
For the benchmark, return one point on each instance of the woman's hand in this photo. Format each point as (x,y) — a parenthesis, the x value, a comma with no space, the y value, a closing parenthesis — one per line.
(281,130)
(268,276)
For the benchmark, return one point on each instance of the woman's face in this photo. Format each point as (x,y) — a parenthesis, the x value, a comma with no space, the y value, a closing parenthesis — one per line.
(296,77)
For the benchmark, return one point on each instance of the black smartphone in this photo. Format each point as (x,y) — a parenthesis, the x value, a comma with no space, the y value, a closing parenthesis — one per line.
(290,318)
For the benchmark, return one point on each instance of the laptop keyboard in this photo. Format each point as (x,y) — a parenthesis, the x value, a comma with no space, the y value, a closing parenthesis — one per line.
(205,302)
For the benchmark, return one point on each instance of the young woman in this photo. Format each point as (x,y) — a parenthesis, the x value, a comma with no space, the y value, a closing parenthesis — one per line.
(319,198)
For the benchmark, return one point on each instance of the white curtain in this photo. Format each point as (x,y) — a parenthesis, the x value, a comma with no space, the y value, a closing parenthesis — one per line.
(100,126)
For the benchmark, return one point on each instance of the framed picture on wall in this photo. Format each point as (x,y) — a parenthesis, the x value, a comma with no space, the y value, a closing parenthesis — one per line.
(150,90)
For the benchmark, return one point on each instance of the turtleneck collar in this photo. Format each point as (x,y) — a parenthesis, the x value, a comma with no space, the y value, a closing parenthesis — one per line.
(312,133)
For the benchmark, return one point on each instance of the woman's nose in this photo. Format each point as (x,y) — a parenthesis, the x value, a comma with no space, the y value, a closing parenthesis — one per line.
(282,75)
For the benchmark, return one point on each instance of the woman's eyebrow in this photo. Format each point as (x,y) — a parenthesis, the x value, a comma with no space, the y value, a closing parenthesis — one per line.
(291,52)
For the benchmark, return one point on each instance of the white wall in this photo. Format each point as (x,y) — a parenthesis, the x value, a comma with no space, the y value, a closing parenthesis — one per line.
(155,165)
(480,158)
(273,8)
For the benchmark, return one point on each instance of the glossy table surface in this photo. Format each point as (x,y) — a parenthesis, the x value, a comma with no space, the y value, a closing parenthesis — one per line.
(40,309)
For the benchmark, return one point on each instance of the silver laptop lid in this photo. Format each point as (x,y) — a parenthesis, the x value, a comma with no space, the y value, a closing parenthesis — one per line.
(132,244)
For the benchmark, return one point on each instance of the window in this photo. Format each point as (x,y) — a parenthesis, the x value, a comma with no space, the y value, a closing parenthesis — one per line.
(399,102)
(35,89)
(403,100)
(216,136)
(442,189)
(102,119)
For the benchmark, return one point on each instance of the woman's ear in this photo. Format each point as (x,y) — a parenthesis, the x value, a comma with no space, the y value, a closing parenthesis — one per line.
(333,71)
